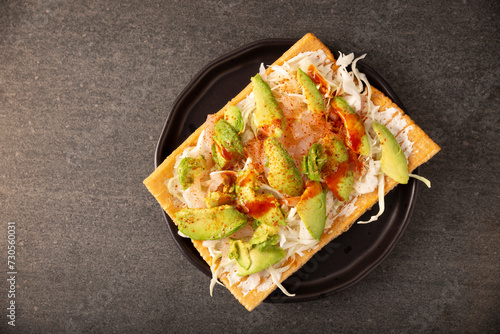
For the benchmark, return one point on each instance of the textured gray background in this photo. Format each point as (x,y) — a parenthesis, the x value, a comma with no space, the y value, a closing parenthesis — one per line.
(85,87)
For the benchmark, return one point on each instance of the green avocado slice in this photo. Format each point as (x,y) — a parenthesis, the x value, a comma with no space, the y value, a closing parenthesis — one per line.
(217,198)
(341,183)
(233,116)
(313,96)
(227,148)
(210,224)
(240,251)
(268,114)
(272,240)
(335,151)
(338,174)
(312,209)
(284,175)
(264,207)
(264,232)
(261,259)
(189,169)
(313,162)
(393,162)
(357,139)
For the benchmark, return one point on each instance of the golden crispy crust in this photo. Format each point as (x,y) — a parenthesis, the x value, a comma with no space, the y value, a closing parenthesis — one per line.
(423,149)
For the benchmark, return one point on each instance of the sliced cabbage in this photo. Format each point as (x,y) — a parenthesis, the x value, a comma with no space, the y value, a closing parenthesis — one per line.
(421,178)
(276,280)
(381,202)
(215,272)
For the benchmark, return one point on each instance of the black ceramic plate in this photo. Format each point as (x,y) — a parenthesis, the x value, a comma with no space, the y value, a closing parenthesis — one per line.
(348,258)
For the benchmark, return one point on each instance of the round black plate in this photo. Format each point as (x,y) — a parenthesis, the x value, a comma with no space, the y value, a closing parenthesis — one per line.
(346,259)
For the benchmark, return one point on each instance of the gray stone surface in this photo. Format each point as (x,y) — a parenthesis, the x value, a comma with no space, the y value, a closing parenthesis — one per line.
(85,87)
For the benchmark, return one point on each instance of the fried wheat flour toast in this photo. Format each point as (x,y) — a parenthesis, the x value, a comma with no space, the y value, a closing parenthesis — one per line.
(423,149)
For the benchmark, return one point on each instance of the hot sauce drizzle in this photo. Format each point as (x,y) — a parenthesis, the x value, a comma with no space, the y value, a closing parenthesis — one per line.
(260,207)
(324,87)
(354,128)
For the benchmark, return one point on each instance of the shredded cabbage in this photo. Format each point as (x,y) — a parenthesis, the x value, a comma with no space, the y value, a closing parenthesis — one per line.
(215,272)
(269,189)
(262,72)
(174,186)
(276,280)
(381,202)
(421,178)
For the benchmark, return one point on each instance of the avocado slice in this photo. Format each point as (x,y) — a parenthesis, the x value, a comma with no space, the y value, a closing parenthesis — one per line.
(393,162)
(217,198)
(189,169)
(268,114)
(312,209)
(339,176)
(272,240)
(284,175)
(264,232)
(246,185)
(254,258)
(240,251)
(232,115)
(210,224)
(357,139)
(314,161)
(264,207)
(335,151)
(313,96)
(261,259)
(247,178)
(227,148)
(341,182)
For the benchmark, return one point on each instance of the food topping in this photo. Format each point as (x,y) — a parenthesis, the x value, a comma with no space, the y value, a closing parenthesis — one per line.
(282,164)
